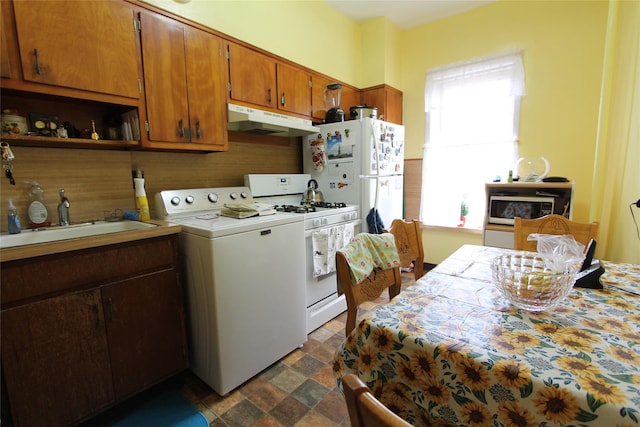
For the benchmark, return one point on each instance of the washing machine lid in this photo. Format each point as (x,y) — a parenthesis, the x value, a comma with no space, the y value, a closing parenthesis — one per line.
(212,225)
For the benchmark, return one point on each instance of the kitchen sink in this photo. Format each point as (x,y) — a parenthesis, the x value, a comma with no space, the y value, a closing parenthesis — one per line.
(74,231)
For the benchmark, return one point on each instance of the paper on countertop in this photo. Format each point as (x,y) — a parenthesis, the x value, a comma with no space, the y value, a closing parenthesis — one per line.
(209,216)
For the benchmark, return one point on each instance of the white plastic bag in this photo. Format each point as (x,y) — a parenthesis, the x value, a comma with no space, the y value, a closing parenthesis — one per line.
(561,253)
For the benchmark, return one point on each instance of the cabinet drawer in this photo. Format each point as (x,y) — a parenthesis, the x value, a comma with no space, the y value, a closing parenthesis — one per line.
(30,278)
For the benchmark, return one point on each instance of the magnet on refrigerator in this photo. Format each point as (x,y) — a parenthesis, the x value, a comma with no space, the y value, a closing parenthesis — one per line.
(364,166)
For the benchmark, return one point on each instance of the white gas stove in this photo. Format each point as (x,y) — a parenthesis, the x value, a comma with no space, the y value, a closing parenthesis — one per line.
(322,222)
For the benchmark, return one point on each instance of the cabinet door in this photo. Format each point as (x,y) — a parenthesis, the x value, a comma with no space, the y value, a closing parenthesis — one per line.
(7,38)
(252,76)
(394,105)
(206,88)
(294,90)
(374,97)
(146,330)
(350,98)
(55,360)
(87,45)
(318,106)
(387,99)
(163,57)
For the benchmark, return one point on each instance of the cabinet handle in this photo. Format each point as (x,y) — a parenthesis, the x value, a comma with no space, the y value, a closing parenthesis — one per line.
(269,93)
(96,308)
(282,99)
(180,129)
(38,69)
(110,305)
(198,130)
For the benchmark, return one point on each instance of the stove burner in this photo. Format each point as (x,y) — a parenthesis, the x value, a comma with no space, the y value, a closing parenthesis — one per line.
(328,205)
(295,209)
(309,207)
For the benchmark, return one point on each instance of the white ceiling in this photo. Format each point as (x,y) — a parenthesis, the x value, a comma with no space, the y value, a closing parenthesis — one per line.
(405,14)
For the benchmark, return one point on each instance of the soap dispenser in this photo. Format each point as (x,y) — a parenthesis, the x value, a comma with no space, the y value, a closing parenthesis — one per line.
(142,204)
(63,209)
(38,212)
(12,218)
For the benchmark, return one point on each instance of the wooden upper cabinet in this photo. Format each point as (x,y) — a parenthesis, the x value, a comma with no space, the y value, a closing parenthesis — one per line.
(318,105)
(7,35)
(294,90)
(387,99)
(393,105)
(252,77)
(86,45)
(206,87)
(165,77)
(185,80)
(261,80)
(350,98)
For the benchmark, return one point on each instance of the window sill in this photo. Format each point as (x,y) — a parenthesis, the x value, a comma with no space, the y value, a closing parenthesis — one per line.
(456,229)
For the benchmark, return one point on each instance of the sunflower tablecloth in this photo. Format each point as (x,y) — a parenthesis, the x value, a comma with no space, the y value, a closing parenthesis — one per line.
(450,349)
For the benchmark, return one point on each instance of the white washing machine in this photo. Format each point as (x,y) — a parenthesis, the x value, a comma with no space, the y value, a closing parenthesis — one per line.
(244,280)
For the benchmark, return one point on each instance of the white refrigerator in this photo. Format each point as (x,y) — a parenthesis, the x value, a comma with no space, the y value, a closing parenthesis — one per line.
(360,162)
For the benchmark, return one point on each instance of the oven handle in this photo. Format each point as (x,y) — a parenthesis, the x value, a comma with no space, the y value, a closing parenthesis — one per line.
(308,233)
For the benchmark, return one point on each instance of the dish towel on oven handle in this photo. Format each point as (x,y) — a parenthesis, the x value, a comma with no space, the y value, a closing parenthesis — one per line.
(368,251)
(325,244)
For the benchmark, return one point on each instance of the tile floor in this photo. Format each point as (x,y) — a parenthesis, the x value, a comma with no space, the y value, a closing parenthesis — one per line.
(299,390)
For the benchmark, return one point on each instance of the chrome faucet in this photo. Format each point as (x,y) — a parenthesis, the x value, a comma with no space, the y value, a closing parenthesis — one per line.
(63,209)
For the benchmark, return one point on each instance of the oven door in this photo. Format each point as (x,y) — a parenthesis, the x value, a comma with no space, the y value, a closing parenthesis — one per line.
(323,302)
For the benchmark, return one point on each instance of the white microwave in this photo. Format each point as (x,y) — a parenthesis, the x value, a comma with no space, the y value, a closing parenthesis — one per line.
(502,209)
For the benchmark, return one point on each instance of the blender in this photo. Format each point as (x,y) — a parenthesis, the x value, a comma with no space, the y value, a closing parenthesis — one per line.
(332,95)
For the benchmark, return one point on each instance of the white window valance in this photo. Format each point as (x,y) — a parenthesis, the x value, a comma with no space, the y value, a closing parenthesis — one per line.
(507,64)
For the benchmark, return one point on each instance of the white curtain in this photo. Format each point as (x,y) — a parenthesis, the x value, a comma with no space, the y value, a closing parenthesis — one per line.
(472,112)
(506,66)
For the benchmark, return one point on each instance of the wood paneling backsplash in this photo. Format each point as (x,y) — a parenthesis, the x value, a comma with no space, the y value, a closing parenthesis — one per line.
(96,181)
(412,188)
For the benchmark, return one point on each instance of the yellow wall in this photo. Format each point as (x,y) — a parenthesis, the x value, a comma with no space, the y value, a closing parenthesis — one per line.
(617,176)
(563,50)
(310,33)
(381,53)
(563,46)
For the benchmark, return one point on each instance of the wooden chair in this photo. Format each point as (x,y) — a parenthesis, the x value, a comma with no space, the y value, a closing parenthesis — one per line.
(364,409)
(551,224)
(408,235)
(369,289)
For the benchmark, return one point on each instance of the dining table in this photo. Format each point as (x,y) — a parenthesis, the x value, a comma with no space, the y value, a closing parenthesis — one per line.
(450,350)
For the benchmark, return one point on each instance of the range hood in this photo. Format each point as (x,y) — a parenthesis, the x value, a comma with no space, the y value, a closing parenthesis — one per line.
(246,119)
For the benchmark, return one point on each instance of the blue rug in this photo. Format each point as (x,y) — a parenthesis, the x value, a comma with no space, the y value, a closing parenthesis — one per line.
(168,409)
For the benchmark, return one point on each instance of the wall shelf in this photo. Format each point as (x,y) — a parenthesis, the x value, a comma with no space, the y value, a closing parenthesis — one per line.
(501,235)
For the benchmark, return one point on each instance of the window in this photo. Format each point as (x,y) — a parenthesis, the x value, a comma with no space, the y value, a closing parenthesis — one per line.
(472,113)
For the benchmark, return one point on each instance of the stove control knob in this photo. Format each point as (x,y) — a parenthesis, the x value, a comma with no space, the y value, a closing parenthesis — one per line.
(233,195)
(213,197)
(175,200)
(244,195)
(325,221)
(189,199)
(316,223)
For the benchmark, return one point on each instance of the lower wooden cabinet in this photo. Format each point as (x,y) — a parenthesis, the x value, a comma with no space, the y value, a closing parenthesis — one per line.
(55,359)
(69,353)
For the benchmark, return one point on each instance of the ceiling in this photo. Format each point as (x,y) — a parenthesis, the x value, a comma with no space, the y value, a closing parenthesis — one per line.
(405,14)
